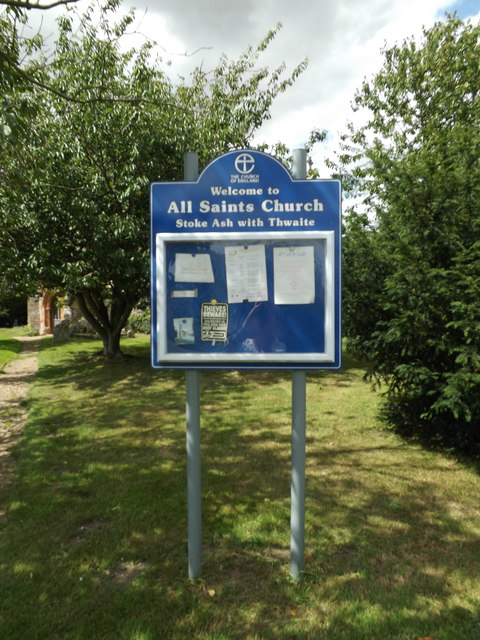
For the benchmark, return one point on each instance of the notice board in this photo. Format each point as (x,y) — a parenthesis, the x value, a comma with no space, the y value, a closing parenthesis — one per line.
(245,268)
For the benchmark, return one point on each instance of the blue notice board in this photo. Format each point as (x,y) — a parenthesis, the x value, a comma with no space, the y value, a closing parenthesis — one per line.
(245,268)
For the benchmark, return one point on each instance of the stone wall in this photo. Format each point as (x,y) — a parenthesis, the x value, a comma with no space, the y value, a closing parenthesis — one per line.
(34,313)
(44,314)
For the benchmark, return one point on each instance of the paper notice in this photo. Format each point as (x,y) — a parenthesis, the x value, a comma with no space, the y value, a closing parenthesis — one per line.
(246,273)
(184,293)
(293,275)
(214,321)
(195,267)
(183,331)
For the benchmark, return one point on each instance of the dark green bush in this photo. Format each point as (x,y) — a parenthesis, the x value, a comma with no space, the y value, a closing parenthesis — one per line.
(412,266)
(139,321)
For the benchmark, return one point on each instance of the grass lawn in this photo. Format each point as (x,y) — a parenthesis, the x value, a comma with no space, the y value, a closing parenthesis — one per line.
(9,347)
(93,536)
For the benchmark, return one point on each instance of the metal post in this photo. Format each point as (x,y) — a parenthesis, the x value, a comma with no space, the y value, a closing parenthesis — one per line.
(299,169)
(297,508)
(190,166)
(194,487)
(297,515)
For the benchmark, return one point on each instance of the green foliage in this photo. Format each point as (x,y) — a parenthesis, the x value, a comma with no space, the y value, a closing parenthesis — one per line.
(364,268)
(412,278)
(21,67)
(108,122)
(139,321)
(9,348)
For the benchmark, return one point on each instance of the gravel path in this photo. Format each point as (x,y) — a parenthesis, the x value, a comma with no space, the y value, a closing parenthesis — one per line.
(15,382)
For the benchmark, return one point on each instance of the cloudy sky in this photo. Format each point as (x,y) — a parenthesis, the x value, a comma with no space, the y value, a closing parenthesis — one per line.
(341,38)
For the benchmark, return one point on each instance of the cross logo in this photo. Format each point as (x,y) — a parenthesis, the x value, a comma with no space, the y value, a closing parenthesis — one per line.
(244,163)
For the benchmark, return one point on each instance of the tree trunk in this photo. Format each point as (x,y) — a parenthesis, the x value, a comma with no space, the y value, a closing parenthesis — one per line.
(108,322)
(111,345)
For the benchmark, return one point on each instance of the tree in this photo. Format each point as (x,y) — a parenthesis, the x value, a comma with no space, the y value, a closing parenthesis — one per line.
(365,266)
(80,223)
(19,60)
(416,163)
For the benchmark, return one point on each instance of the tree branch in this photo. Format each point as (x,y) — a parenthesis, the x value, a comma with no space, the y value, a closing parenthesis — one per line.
(119,313)
(69,98)
(80,298)
(30,4)
(60,94)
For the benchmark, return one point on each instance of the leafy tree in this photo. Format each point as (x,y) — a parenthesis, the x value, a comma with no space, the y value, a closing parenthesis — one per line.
(77,196)
(364,268)
(20,65)
(412,278)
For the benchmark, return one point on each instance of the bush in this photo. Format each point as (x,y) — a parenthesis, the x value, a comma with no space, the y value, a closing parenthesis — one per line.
(412,274)
(139,321)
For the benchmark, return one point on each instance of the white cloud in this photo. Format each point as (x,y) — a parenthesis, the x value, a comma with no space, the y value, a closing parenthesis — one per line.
(342,39)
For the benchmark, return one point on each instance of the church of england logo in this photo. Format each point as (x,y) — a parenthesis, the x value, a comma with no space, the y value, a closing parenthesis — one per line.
(244,163)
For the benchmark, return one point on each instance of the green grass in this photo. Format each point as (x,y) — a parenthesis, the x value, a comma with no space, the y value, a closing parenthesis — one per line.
(9,347)
(93,542)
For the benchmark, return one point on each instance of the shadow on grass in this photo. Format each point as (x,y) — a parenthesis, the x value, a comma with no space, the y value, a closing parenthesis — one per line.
(94,545)
(378,542)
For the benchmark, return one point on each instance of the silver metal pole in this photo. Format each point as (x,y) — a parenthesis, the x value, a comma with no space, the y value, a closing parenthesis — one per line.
(299,168)
(299,383)
(190,166)
(194,486)
(297,515)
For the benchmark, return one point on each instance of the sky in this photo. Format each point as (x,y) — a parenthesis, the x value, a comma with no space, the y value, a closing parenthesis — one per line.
(342,39)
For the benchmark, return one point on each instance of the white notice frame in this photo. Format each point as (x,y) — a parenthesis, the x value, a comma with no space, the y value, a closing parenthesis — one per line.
(259,359)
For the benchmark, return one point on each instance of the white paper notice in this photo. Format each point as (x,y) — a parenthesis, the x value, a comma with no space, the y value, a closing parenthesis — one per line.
(195,267)
(246,273)
(293,275)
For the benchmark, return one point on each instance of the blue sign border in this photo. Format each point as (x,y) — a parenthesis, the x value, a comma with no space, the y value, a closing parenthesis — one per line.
(249,196)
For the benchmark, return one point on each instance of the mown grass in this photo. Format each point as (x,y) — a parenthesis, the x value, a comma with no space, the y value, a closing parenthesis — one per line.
(93,543)
(9,347)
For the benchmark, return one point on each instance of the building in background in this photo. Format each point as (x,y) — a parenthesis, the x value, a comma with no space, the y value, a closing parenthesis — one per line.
(45,311)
